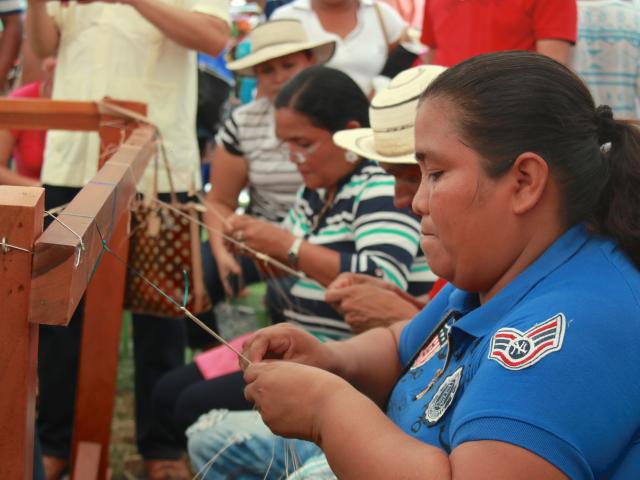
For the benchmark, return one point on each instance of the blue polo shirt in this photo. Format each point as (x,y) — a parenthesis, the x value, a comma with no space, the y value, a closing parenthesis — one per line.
(551,363)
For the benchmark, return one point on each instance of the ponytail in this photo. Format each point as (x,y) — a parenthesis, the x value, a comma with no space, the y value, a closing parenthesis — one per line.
(619,203)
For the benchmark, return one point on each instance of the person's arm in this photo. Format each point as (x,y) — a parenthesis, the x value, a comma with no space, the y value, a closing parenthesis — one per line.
(555,28)
(368,361)
(42,33)
(317,262)
(191,29)
(428,56)
(428,37)
(359,440)
(7,176)
(10,42)
(228,176)
(559,50)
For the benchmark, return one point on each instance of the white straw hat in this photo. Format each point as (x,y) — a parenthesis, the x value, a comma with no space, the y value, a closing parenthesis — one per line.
(392,115)
(278,38)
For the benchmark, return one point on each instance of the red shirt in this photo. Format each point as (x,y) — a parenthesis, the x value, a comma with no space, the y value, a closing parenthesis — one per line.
(29,148)
(459,29)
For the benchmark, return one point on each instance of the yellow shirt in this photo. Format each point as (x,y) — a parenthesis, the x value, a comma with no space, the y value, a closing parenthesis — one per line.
(111,50)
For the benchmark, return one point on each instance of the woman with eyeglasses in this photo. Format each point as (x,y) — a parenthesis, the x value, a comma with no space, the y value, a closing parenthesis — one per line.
(343,220)
(526,365)
(248,154)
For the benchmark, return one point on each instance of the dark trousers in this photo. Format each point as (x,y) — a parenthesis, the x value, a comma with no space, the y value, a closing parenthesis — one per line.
(182,395)
(38,468)
(159,345)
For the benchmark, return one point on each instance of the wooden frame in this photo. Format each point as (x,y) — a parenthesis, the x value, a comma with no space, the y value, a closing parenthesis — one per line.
(44,287)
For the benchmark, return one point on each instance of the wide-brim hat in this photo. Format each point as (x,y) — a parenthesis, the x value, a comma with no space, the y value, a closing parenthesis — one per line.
(392,115)
(278,38)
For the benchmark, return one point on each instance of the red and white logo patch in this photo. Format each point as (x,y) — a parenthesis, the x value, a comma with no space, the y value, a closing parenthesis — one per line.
(516,350)
(435,345)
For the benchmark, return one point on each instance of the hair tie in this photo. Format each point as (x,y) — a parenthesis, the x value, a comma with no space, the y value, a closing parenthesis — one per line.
(606,125)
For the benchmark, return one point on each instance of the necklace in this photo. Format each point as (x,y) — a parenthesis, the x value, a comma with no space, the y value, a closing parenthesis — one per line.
(328,203)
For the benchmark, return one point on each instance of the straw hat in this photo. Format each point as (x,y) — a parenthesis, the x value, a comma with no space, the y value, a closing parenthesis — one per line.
(392,115)
(278,38)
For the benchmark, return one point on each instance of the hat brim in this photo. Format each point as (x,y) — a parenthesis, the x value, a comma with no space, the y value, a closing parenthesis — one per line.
(323,51)
(360,141)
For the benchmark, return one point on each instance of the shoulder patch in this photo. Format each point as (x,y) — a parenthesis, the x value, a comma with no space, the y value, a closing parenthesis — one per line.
(443,398)
(516,350)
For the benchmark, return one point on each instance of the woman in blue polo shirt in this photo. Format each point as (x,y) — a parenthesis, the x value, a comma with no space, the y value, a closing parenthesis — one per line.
(526,366)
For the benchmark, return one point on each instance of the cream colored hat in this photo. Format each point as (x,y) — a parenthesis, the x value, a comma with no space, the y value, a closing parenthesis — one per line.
(392,115)
(278,38)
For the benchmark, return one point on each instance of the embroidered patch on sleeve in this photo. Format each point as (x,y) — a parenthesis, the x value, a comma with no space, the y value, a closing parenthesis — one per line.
(516,350)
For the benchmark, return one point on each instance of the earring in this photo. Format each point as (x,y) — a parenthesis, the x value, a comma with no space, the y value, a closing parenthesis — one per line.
(350,157)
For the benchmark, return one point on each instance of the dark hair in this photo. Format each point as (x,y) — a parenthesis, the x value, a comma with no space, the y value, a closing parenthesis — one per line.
(328,97)
(509,103)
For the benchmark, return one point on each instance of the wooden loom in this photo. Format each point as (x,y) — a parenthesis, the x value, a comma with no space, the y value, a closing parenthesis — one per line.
(45,284)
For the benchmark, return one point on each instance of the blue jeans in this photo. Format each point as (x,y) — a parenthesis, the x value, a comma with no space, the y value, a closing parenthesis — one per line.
(226,445)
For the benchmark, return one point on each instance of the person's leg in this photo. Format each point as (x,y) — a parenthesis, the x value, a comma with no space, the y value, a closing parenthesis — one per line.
(239,445)
(38,467)
(165,397)
(58,354)
(226,392)
(159,345)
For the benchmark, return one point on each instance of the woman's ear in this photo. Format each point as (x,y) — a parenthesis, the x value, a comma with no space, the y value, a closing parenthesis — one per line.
(530,173)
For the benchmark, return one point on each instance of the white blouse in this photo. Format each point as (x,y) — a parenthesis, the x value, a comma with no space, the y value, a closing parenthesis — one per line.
(363,52)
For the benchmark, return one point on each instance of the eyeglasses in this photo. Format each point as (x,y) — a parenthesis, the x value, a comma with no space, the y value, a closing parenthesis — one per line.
(299,154)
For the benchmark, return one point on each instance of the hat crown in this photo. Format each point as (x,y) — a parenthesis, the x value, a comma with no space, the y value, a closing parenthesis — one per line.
(393,111)
(277,32)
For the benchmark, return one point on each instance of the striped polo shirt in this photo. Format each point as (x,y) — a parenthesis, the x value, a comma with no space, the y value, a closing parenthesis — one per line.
(273,179)
(371,234)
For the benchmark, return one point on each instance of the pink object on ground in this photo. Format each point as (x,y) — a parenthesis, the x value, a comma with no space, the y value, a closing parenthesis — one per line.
(219,361)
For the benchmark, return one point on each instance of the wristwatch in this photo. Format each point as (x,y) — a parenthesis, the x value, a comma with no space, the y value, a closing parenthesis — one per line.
(292,254)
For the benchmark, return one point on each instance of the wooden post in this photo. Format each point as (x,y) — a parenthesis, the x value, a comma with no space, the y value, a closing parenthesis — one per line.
(21,221)
(97,373)
(95,396)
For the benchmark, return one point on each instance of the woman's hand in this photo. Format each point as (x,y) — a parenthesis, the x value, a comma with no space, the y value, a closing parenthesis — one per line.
(349,279)
(259,235)
(292,398)
(227,265)
(366,306)
(286,342)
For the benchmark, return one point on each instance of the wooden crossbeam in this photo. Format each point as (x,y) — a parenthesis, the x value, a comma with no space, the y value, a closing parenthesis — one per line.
(44,114)
(65,257)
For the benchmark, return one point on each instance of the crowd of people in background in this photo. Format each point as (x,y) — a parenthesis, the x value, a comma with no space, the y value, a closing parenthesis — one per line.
(336,120)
